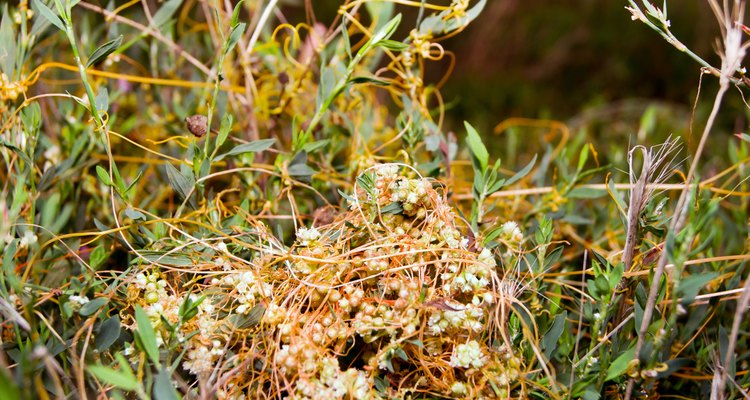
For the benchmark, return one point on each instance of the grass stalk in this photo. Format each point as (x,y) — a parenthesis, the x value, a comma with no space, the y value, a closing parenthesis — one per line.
(676,225)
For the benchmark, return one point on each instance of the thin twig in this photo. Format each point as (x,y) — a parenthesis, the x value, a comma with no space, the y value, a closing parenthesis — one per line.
(151,32)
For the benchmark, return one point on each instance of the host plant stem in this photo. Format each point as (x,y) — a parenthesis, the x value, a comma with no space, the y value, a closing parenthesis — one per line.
(678,222)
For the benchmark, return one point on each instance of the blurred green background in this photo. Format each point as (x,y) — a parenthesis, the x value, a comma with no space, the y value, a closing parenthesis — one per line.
(583,62)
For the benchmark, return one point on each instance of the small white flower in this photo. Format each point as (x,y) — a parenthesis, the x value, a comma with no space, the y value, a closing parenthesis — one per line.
(485,257)
(5,239)
(467,355)
(28,239)
(459,388)
(81,300)
(636,14)
(387,171)
(52,154)
(140,281)
(307,235)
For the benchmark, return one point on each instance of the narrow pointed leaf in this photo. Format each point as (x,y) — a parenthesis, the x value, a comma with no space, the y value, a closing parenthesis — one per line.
(103,51)
(49,15)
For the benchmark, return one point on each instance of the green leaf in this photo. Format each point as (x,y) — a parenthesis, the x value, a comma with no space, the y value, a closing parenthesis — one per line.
(616,276)
(103,51)
(163,388)
(386,31)
(586,193)
(189,308)
(134,214)
(393,45)
(51,210)
(620,365)
(164,14)
(101,102)
(520,174)
(400,353)
(393,208)
(7,43)
(302,171)
(119,379)
(103,176)
(690,286)
(252,147)
(146,335)
(235,36)
(253,317)
(49,15)
(161,257)
(380,12)
(224,129)
(236,13)
(591,394)
(549,341)
(438,24)
(602,284)
(109,331)
(347,42)
(98,256)
(615,195)
(311,147)
(8,389)
(181,183)
(478,151)
(367,79)
(93,306)
(366,181)
(583,157)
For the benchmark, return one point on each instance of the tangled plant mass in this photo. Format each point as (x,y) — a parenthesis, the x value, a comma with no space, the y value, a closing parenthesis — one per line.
(390,295)
(223,201)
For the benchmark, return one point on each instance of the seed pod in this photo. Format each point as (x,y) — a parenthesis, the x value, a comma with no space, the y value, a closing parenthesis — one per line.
(197,124)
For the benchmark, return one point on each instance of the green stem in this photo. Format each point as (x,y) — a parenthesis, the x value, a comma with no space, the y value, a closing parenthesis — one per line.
(340,86)
(84,76)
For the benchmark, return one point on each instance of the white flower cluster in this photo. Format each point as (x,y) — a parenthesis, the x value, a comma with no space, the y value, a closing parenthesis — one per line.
(222,260)
(322,377)
(328,329)
(473,277)
(154,287)
(274,314)
(410,192)
(459,388)
(76,302)
(162,305)
(202,359)
(248,289)
(468,355)
(52,154)
(168,307)
(387,172)
(511,234)
(205,319)
(468,317)
(372,322)
(307,236)
(28,239)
